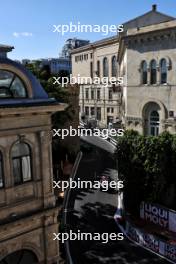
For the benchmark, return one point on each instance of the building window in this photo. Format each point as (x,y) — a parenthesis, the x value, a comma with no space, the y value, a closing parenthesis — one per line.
(110,120)
(114,66)
(21,161)
(92,111)
(112,110)
(144,72)
(87,94)
(163,71)
(154,123)
(153,72)
(108,110)
(98,94)
(98,68)
(86,110)
(92,94)
(91,55)
(22,256)
(171,114)
(110,94)
(91,69)
(11,86)
(105,67)
(1,172)
(99,113)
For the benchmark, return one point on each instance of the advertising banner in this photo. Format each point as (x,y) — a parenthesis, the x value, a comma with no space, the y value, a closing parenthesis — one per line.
(144,239)
(158,215)
(170,252)
(151,242)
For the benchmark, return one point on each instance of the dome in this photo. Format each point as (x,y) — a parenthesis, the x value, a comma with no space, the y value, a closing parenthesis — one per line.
(18,86)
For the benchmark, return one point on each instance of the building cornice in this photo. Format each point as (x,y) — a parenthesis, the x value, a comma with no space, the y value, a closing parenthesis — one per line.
(32,110)
(91,46)
(139,37)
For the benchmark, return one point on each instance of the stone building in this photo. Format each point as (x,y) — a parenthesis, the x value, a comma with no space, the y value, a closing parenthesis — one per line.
(146,55)
(147,60)
(28,212)
(98,101)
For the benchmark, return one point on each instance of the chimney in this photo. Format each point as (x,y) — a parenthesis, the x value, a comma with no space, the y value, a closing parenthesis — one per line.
(154,8)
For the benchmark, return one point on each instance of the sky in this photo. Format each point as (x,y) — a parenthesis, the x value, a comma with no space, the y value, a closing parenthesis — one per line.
(28,24)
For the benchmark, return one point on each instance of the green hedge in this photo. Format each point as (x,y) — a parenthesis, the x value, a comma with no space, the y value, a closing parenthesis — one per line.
(148,167)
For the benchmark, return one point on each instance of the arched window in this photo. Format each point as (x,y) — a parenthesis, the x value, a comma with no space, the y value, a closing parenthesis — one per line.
(1,172)
(21,161)
(114,66)
(153,72)
(20,257)
(163,71)
(11,86)
(105,67)
(144,72)
(154,123)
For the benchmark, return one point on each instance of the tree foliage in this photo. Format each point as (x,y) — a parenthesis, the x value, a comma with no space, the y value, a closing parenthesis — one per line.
(148,167)
(61,94)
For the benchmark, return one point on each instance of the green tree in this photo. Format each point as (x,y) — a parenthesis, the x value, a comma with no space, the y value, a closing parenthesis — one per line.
(147,167)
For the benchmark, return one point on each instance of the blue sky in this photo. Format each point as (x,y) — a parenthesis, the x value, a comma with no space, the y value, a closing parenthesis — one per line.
(28,24)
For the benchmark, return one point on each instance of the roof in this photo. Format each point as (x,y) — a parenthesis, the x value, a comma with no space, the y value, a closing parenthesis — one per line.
(105,41)
(152,17)
(39,96)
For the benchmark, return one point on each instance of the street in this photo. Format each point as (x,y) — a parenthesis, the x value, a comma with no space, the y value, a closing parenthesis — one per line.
(94,213)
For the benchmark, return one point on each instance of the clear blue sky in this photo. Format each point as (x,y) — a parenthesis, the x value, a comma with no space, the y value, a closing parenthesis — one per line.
(37,17)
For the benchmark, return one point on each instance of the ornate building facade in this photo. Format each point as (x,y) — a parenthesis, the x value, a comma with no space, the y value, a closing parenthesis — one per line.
(28,209)
(148,63)
(98,101)
(146,59)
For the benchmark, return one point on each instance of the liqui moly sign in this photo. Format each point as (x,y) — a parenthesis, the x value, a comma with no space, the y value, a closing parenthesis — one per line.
(158,215)
(151,242)
(170,252)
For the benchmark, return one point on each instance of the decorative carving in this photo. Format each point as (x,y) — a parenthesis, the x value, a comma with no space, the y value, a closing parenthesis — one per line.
(21,138)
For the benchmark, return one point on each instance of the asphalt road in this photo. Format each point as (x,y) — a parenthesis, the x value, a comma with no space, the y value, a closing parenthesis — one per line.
(93,213)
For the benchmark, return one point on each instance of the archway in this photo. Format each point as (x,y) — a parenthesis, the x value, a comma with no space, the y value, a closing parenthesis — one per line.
(20,257)
(152,114)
